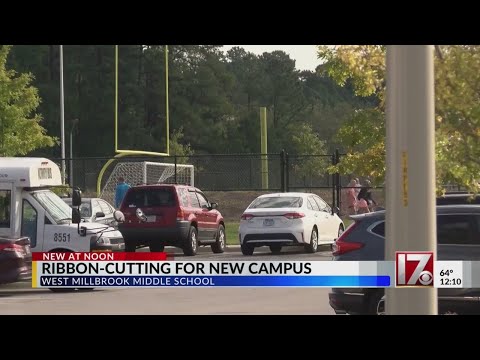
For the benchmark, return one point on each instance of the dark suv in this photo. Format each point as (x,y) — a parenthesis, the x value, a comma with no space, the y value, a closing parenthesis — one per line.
(171,215)
(458,238)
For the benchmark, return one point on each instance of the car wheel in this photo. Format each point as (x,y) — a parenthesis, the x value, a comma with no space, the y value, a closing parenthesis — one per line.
(275,249)
(129,246)
(156,248)
(219,246)
(247,249)
(191,246)
(313,246)
(381,306)
(374,300)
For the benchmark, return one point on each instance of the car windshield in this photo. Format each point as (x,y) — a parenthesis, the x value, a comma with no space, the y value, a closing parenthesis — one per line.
(54,205)
(85,208)
(277,202)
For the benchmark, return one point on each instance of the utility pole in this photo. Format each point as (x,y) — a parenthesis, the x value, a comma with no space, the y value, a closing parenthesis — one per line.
(62,115)
(410,181)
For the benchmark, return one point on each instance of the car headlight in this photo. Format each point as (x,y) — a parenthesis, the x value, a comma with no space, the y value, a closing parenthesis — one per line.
(103,241)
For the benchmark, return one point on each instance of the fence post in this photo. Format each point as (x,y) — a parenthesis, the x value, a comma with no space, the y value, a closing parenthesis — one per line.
(282,171)
(175,160)
(334,189)
(287,172)
(251,172)
(84,175)
(337,180)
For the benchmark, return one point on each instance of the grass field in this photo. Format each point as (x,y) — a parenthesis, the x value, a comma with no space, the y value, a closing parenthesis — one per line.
(231,231)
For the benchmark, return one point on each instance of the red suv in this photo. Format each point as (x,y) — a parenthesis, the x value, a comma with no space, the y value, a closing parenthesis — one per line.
(171,215)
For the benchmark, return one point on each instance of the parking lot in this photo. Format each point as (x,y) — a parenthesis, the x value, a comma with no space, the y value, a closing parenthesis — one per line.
(19,298)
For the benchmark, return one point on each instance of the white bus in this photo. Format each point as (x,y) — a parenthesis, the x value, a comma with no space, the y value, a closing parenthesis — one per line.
(29,208)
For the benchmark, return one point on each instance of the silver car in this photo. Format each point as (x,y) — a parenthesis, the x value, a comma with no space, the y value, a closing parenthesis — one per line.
(96,210)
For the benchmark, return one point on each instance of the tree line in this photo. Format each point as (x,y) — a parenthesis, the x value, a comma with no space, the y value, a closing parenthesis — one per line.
(214,100)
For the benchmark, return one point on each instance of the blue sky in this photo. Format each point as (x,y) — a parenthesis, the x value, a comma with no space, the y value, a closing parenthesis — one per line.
(305,55)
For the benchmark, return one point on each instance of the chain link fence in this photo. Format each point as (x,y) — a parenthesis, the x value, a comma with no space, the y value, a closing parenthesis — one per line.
(221,173)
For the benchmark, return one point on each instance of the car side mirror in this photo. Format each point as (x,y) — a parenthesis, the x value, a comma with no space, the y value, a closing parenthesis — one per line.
(119,216)
(213,205)
(99,215)
(76,218)
(76,197)
(140,215)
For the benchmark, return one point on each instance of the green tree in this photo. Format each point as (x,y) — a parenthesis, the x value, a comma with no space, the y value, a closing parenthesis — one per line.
(179,148)
(457,86)
(304,141)
(20,129)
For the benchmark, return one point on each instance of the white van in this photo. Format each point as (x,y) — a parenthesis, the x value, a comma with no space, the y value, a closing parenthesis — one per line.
(29,208)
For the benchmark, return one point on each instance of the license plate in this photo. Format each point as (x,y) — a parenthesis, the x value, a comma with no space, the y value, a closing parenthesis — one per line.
(151,218)
(268,222)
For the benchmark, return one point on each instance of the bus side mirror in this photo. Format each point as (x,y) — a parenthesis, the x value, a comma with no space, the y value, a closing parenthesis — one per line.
(76,218)
(76,197)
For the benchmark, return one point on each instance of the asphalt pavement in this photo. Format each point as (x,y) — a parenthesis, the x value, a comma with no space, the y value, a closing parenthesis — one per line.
(20,298)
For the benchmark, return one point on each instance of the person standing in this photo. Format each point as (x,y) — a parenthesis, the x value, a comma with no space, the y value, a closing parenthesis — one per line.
(352,197)
(365,200)
(120,191)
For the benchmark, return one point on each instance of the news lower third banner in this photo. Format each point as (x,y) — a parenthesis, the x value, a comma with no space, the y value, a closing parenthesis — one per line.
(105,270)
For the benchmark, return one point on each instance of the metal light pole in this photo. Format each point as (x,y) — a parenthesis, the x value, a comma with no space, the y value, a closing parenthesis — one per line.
(62,115)
(410,181)
(70,178)
(167,110)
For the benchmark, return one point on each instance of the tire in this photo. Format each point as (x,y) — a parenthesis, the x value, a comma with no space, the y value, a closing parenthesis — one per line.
(312,247)
(275,249)
(373,300)
(219,246)
(130,247)
(191,246)
(247,249)
(157,247)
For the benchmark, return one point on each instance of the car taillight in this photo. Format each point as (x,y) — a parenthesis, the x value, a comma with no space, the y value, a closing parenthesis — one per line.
(180,215)
(294,215)
(246,217)
(11,248)
(341,246)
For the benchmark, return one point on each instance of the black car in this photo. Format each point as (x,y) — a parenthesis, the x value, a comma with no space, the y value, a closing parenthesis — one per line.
(15,259)
(458,238)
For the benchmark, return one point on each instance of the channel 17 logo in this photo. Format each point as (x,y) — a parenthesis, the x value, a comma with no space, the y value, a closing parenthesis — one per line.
(414,268)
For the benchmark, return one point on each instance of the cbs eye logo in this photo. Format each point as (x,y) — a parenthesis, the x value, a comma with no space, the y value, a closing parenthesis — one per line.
(425,278)
(414,269)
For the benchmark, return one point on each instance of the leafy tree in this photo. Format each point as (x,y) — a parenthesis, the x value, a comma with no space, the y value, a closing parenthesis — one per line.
(304,141)
(20,129)
(457,86)
(183,151)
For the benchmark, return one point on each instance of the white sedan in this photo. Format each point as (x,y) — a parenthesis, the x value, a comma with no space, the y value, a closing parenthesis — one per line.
(286,219)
